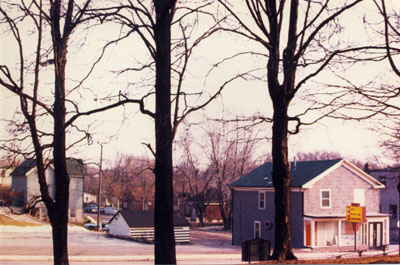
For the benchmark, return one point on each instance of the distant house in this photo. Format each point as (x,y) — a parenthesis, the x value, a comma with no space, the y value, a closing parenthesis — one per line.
(6,167)
(89,198)
(139,225)
(389,196)
(25,182)
(320,192)
(209,199)
(136,200)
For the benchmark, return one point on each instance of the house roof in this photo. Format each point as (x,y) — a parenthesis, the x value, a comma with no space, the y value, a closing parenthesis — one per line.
(146,218)
(24,168)
(210,195)
(300,173)
(74,167)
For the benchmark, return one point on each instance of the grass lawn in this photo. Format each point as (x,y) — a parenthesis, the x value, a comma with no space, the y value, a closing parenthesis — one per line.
(4,220)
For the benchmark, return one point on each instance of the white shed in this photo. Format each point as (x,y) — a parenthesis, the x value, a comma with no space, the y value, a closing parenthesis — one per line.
(139,225)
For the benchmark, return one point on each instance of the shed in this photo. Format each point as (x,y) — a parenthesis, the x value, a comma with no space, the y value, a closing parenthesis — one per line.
(139,225)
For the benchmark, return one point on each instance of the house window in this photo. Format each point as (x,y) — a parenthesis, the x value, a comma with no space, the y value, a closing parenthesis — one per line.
(326,198)
(257,229)
(393,211)
(72,213)
(261,200)
(383,179)
(359,196)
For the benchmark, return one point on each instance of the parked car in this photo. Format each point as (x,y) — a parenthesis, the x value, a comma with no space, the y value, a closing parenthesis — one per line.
(93,226)
(91,208)
(110,210)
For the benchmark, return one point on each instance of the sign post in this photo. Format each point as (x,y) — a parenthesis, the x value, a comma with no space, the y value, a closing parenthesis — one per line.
(355,214)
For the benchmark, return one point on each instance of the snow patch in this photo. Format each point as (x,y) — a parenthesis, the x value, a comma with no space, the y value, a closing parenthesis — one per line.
(33,229)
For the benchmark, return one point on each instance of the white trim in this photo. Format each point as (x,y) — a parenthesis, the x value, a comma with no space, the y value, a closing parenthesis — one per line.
(348,165)
(320,199)
(309,184)
(259,229)
(375,183)
(259,200)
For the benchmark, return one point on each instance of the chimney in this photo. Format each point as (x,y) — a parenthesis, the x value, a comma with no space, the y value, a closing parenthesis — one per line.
(366,167)
(294,163)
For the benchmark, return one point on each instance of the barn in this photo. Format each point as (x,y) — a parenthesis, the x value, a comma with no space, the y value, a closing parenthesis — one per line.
(139,225)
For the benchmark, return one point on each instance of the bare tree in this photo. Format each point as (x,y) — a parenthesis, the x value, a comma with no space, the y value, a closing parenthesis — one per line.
(196,181)
(306,28)
(390,128)
(229,148)
(48,111)
(130,179)
(62,21)
(169,34)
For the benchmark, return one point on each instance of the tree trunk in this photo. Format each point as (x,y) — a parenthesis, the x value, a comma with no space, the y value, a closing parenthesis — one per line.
(281,181)
(200,210)
(60,251)
(164,249)
(59,213)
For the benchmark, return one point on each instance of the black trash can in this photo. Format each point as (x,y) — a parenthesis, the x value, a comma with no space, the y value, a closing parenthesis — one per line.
(255,249)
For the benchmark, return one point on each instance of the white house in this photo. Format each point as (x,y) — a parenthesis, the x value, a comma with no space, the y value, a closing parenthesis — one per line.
(25,183)
(6,167)
(89,198)
(139,225)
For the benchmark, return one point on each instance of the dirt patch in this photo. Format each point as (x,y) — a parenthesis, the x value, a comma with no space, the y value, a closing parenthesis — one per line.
(364,260)
(213,238)
(4,220)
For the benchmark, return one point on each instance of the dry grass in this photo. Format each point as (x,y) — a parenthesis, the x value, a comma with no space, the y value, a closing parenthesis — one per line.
(364,260)
(4,220)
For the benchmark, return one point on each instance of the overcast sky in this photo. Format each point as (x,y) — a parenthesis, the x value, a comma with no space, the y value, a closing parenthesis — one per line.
(124,130)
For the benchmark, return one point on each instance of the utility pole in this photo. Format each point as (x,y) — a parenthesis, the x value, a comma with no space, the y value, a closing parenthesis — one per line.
(99,192)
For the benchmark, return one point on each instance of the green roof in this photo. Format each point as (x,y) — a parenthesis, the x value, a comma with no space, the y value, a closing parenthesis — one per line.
(300,174)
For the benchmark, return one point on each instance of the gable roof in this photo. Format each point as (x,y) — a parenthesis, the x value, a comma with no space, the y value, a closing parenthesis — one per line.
(75,167)
(302,174)
(210,195)
(24,168)
(146,218)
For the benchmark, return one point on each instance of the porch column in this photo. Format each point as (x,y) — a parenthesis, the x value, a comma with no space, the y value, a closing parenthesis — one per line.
(339,233)
(312,233)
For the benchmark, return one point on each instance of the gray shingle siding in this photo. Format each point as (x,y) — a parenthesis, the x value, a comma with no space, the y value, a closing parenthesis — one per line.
(18,184)
(76,193)
(389,196)
(246,212)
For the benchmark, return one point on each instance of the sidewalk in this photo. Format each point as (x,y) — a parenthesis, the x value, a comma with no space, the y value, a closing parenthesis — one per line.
(307,254)
(301,254)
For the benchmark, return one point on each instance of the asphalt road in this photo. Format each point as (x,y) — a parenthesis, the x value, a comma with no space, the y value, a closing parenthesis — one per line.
(33,245)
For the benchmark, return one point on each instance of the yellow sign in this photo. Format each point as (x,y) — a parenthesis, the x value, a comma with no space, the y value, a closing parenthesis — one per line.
(355,214)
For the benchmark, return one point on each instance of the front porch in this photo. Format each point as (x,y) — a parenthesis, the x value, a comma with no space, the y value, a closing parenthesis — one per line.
(335,233)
